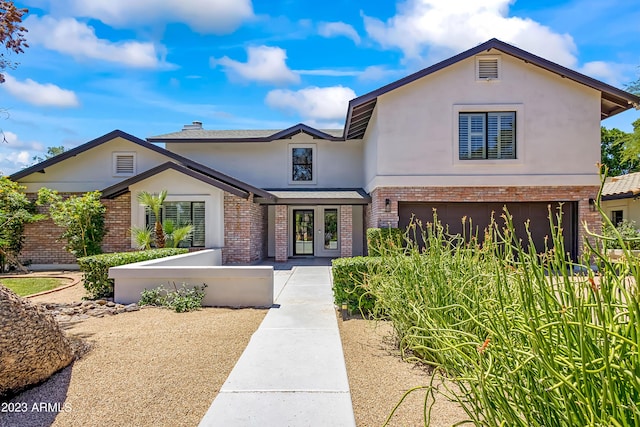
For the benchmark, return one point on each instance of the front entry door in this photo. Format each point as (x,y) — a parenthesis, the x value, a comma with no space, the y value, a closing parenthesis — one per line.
(303,229)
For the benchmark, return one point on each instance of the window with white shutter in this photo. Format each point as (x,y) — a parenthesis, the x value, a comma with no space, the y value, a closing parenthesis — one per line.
(487,68)
(124,164)
(181,214)
(488,135)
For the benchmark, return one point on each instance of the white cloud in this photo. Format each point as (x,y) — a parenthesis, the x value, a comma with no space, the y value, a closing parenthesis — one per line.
(17,154)
(328,73)
(264,65)
(326,103)
(606,71)
(439,27)
(203,16)
(336,29)
(71,37)
(42,95)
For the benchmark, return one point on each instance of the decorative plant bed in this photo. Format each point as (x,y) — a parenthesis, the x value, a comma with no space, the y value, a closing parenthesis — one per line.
(227,286)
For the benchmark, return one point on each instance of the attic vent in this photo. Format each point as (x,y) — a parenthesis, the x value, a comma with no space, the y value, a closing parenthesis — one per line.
(124,164)
(488,68)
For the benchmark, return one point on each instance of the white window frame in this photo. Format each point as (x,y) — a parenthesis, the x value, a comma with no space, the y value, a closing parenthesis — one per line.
(489,108)
(314,164)
(497,58)
(114,163)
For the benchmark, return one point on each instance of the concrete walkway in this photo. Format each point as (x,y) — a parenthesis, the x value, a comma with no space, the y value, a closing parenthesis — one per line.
(292,373)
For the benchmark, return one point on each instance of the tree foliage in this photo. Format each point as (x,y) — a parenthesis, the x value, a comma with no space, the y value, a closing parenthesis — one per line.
(51,152)
(81,217)
(12,34)
(16,210)
(613,145)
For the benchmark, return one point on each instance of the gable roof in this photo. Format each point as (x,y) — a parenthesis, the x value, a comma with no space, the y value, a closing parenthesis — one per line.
(621,187)
(123,186)
(206,171)
(613,100)
(40,167)
(202,135)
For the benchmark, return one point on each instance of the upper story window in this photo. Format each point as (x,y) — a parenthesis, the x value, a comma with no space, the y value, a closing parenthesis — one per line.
(487,135)
(302,161)
(487,68)
(124,163)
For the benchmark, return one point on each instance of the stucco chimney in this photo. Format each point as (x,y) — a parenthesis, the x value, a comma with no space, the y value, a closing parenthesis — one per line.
(193,126)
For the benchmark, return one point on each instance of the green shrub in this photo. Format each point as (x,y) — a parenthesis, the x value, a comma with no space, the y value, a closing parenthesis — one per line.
(181,299)
(628,232)
(527,341)
(350,282)
(381,241)
(96,268)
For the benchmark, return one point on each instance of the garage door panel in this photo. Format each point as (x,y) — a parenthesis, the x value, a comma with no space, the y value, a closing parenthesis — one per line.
(451,214)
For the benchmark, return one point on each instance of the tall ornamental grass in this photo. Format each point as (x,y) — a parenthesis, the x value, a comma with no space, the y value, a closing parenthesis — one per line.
(528,338)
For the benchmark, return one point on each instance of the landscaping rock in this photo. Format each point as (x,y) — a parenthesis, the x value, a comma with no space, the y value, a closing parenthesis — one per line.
(32,345)
(75,312)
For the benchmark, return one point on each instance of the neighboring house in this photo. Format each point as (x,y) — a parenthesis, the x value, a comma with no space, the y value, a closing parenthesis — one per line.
(492,126)
(620,198)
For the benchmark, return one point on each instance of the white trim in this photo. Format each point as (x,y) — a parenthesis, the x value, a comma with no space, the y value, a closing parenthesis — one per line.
(114,163)
(488,108)
(314,164)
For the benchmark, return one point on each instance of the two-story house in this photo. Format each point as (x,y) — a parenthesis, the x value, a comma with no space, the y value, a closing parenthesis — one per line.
(489,127)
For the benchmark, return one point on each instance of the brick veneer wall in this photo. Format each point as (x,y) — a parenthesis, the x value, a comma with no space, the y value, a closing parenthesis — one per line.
(377,217)
(281,232)
(244,230)
(118,221)
(346,231)
(43,244)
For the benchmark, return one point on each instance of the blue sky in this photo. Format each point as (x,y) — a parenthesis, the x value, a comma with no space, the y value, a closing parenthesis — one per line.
(148,67)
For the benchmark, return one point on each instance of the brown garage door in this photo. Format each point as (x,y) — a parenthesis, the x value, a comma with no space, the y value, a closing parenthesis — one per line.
(452,213)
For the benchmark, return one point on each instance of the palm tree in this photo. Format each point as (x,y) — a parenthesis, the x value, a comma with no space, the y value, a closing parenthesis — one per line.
(154,202)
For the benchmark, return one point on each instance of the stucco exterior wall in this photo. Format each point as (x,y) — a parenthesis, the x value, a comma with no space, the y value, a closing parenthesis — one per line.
(557,127)
(92,169)
(630,209)
(337,164)
(181,187)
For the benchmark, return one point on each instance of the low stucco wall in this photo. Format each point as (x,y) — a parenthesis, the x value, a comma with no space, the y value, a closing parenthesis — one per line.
(227,286)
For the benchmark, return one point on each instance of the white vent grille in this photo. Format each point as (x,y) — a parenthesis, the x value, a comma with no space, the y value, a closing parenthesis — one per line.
(488,69)
(124,164)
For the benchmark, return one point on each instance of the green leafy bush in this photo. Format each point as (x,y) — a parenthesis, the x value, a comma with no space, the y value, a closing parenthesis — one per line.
(81,217)
(181,299)
(96,267)
(350,282)
(628,232)
(383,240)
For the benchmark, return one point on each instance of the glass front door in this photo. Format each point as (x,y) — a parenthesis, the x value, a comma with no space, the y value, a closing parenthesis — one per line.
(303,232)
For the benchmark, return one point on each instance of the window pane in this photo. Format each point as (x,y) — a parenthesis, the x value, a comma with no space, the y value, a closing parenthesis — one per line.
(198,234)
(487,135)
(302,164)
(471,136)
(331,229)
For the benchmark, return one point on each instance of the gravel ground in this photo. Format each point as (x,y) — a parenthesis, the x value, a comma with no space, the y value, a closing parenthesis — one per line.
(378,378)
(155,367)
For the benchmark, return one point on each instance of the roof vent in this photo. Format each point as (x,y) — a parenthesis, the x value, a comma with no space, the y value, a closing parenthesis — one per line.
(487,68)
(193,126)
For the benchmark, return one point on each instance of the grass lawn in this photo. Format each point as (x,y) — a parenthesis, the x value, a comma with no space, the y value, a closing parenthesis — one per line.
(31,285)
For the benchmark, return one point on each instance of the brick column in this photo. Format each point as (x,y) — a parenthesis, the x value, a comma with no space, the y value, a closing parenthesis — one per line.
(282,238)
(346,231)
